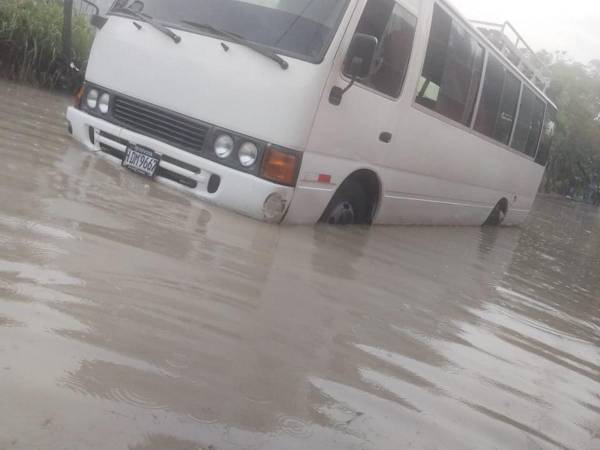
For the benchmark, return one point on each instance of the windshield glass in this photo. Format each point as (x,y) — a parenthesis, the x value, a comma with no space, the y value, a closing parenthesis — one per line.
(301,28)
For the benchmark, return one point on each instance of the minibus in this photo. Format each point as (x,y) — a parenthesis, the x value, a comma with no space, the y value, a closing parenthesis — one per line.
(306,111)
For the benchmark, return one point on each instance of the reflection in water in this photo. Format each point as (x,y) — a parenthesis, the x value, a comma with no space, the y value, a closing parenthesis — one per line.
(135,317)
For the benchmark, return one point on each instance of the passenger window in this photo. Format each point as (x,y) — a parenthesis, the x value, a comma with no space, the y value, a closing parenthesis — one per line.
(537,124)
(547,137)
(508,108)
(394,27)
(452,72)
(499,101)
(529,123)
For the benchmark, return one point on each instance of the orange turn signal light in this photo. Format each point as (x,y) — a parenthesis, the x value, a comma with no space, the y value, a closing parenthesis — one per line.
(280,166)
(79,97)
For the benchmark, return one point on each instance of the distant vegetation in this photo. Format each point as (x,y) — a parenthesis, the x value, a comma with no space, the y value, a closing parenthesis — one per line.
(575,159)
(31,41)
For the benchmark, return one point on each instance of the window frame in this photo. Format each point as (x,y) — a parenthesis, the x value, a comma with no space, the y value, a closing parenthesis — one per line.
(410,60)
(486,58)
(397,3)
(507,73)
(517,117)
(465,26)
(550,111)
(541,132)
(488,49)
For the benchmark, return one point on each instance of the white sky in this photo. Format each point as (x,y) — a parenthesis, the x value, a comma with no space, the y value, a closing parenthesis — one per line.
(571,25)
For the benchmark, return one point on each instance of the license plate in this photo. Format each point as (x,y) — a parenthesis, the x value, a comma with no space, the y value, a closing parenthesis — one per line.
(141,160)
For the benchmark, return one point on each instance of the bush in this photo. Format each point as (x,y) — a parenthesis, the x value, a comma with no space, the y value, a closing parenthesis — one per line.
(31,41)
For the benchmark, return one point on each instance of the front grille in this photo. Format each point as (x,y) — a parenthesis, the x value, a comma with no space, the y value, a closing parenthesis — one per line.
(161,172)
(166,126)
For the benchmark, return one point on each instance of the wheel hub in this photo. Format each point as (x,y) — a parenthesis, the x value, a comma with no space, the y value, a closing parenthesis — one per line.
(342,214)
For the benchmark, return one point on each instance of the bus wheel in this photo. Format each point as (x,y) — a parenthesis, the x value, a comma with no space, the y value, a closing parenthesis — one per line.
(497,215)
(349,206)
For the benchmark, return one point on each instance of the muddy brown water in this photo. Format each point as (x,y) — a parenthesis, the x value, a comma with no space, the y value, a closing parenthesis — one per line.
(135,317)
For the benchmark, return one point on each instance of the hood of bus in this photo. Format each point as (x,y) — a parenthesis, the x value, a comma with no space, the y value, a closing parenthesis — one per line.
(228,86)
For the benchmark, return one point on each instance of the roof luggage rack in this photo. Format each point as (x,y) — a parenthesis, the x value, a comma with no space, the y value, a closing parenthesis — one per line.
(507,40)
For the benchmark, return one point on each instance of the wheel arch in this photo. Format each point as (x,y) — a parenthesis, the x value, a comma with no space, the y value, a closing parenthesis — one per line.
(502,206)
(372,185)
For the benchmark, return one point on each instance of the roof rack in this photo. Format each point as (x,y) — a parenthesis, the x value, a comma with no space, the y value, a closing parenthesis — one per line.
(511,44)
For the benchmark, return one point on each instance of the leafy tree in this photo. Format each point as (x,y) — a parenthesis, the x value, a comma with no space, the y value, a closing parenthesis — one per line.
(31,40)
(575,88)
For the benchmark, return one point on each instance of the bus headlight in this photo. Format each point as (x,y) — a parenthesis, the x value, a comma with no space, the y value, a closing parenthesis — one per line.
(248,154)
(104,103)
(92,99)
(224,146)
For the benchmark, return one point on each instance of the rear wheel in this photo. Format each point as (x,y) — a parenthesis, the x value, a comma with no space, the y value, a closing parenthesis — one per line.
(349,206)
(497,215)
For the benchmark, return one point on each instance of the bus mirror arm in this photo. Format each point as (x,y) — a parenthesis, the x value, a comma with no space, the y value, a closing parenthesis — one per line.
(337,93)
(357,64)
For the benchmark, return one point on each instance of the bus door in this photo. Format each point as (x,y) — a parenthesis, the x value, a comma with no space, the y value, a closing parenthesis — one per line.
(362,126)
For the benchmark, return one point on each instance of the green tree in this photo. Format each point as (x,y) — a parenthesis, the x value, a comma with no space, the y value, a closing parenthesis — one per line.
(31,40)
(575,88)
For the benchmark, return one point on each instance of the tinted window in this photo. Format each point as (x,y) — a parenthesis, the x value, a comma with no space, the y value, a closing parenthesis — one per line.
(524,121)
(529,123)
(547,137)
(394,28)
(302,28)
(508,108)
(499,101)
(452,70)
(537,123)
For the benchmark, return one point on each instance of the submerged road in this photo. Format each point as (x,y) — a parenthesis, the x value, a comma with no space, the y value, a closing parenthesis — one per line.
(135,317)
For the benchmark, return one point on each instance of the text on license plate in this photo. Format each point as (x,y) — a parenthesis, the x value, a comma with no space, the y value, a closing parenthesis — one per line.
(141,160)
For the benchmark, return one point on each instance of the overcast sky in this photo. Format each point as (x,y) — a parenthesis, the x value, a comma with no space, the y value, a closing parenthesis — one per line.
(571,25)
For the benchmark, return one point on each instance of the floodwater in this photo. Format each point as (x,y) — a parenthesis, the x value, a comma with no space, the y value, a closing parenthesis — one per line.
(135,317)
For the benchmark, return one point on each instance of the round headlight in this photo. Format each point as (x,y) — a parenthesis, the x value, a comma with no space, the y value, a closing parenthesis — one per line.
(224,146)
(104,103)
(248,154)
(92,99)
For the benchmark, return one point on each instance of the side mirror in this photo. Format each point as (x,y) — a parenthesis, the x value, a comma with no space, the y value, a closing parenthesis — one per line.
(360,56)
(98,21)
(357,65)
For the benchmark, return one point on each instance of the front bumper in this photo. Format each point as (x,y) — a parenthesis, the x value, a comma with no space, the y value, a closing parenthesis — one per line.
(208,180)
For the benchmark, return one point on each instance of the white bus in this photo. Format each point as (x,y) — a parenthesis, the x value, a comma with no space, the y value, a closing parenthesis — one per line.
(300,111)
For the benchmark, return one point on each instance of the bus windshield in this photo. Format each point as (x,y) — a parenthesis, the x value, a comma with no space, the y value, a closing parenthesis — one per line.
(299,28)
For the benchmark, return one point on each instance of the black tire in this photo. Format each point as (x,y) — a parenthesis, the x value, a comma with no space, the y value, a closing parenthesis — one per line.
(497,215)
(349,206)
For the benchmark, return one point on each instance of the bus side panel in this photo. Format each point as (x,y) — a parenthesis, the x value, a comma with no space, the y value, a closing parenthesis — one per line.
(441,172)
(454,169)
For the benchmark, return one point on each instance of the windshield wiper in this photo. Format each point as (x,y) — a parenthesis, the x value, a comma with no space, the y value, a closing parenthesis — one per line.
(240,40)
(150,21)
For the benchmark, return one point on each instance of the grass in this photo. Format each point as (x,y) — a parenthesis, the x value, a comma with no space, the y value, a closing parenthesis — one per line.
(31,41)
